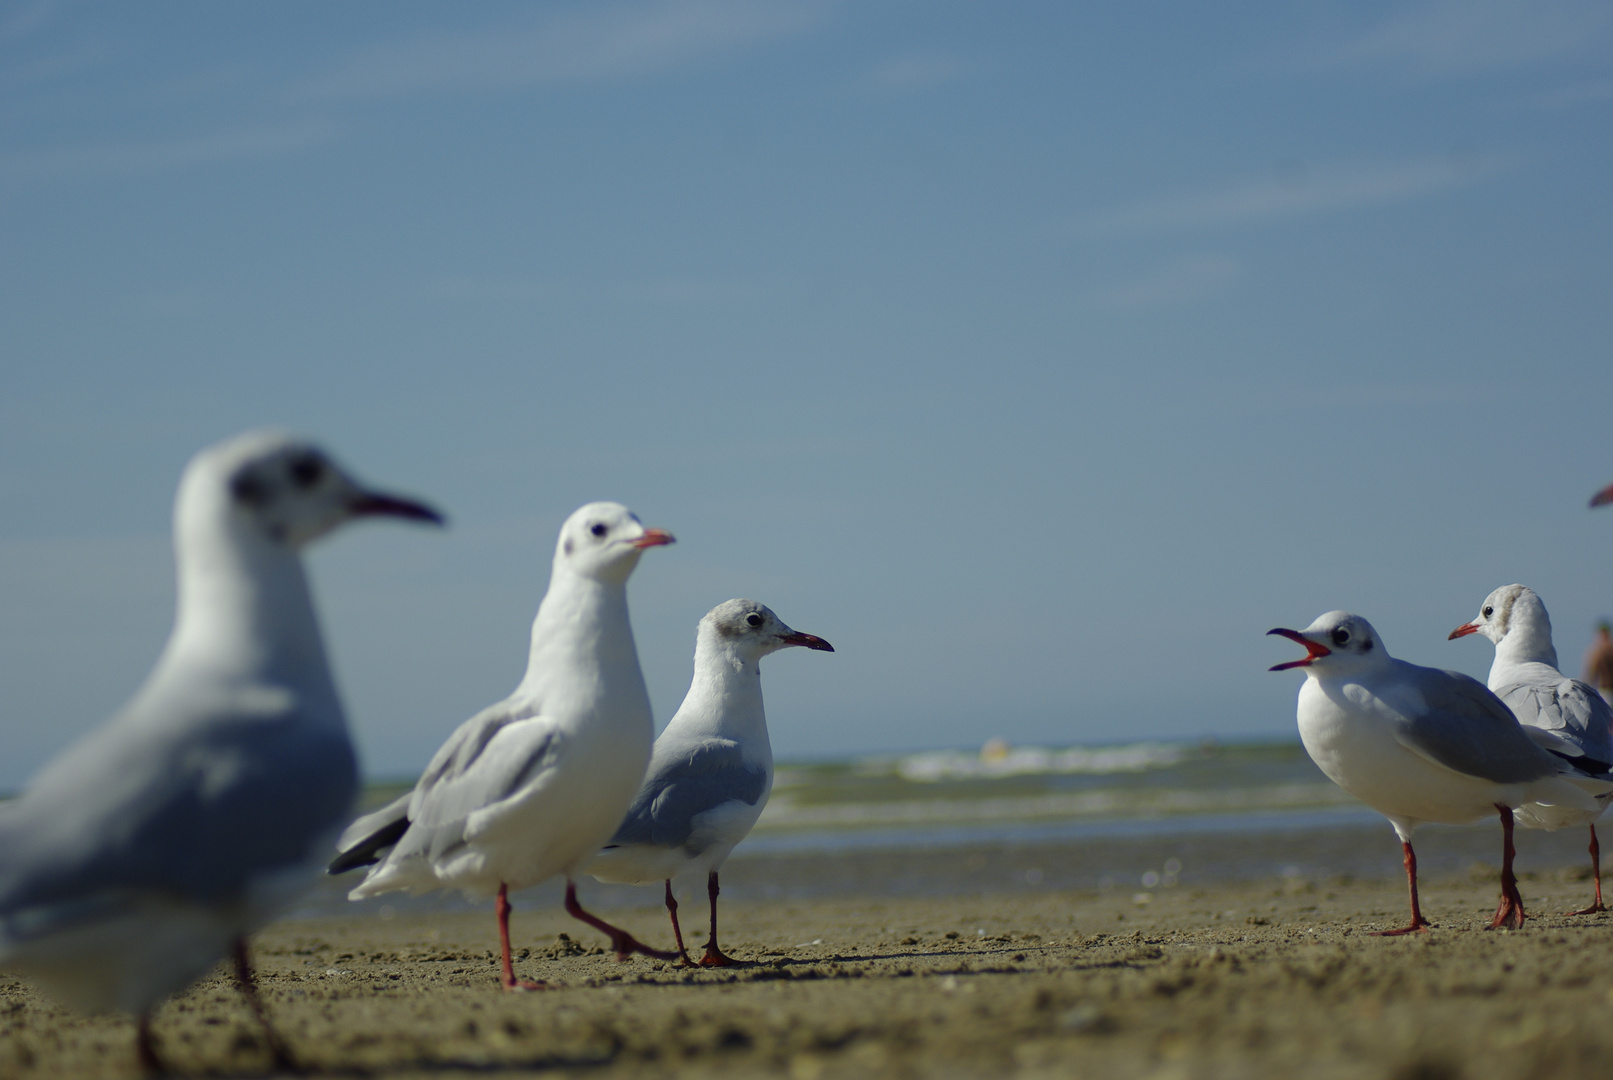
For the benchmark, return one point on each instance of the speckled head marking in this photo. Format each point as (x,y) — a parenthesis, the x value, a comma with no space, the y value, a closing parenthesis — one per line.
(287,488)
(1495,619)
(752,628)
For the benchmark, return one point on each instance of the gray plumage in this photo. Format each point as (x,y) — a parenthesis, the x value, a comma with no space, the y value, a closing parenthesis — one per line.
(713,773)
(1468,729)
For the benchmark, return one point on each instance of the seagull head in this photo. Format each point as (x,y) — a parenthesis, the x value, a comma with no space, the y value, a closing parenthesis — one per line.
(1334,642)
(1495,619)
(751,631)
(1515,619)
(282,489)
(603,541)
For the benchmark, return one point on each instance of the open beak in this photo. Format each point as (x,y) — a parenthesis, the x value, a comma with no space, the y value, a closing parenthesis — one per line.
(1464,630)
(375,504)
(1603,497)
(1315,650)
(810,641)
(653,538)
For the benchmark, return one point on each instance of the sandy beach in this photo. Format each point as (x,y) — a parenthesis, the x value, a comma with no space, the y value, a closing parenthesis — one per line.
(1274,975)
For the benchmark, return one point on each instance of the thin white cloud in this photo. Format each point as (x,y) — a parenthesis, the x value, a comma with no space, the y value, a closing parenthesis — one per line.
(1443,37)
(618,40)
(919,71)
(1295,193)
(1184,279)
(160,156)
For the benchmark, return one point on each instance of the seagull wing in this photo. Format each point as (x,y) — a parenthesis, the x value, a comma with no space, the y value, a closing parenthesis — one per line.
(1574,715)
(491,759)
(194,801)
(1460,724)
(702,778)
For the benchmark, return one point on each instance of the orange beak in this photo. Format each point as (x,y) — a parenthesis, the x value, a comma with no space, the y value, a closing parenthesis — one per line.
(654,538)
(1603,497)
(1464,630)
(1315,651)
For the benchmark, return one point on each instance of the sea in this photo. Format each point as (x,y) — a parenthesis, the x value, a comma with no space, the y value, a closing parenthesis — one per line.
(1140,817)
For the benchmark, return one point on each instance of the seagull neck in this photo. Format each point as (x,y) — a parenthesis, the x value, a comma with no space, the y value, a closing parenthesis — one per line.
(725,696)
(245,611)
(1528,639)
(581,632)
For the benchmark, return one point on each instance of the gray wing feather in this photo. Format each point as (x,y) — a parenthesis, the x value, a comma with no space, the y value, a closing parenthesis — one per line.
(663,812)
(1470,730)
(1570,710)
(196,807)
(464,778)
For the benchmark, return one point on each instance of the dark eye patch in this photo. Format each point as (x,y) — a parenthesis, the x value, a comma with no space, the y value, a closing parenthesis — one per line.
(1340,636)
(1488,612)
(249,490)
(753,619)
(598,528)
(306,471)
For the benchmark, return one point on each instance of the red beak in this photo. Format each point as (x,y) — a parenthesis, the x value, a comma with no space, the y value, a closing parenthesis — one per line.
(654,538)
(1316,651)
(374,504)
(810,641)
(1603,497)
(1464,630)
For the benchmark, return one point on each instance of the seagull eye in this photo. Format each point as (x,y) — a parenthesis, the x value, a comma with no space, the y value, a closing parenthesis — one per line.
(753,619)
(1487,612)
(1340,636)
(305,472)
(598,528)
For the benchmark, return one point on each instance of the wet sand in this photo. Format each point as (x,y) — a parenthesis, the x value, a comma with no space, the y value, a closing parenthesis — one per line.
(1271,977)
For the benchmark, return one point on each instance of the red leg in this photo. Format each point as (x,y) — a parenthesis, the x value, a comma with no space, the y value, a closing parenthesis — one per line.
(677,931)
(283,1061)
(1509,912)
(624,943)
(1596,872)
(714,956)
(502,907)
(1419,925)
(146,1047)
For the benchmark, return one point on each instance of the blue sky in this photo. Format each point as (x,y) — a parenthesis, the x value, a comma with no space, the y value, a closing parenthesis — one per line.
(1040,356)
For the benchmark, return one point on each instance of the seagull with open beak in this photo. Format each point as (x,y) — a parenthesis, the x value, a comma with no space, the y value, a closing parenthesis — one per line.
(1419,745)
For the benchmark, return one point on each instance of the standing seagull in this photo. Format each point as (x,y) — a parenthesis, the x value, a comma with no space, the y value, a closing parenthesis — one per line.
(712,769)
(151,848)
(1562,715)
(1418,744)
(532,786)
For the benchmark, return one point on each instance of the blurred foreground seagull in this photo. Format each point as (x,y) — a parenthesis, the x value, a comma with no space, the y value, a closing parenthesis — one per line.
(532,786)
(1603,497)
(712,768)
(150,849)
(1419,744)
(1562,715)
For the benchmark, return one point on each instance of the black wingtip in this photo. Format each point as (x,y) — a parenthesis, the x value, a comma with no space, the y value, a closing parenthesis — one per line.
(368,851)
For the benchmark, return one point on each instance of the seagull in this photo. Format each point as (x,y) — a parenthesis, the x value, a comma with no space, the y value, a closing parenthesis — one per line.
(150,849)
(1419,744)
(712,769)
(1563,716)
(1603,497)
(532,786)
